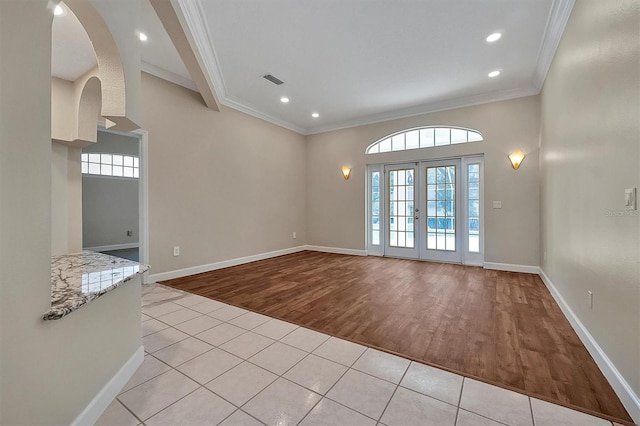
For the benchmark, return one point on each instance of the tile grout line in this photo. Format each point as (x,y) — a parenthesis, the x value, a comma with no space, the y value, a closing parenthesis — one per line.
(127,408)
(533,418)
(394,393)
(459,401)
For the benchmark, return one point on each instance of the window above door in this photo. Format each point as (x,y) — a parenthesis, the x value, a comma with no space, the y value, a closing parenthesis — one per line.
(424,137)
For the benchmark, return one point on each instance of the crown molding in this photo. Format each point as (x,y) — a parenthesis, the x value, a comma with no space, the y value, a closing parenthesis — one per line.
(558,18)
(167,75)
(255,113)
(448,104)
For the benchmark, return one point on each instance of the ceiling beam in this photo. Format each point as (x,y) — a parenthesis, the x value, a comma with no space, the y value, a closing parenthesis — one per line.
(171,18)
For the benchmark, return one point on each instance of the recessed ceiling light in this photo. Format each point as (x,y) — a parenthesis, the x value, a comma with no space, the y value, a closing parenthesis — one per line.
(494,73)
(494,37)
(143,37)
(315,115)
(59,10)
(284,99)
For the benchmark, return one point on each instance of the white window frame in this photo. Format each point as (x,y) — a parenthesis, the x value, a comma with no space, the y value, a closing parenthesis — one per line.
(398,141)
(375,249)
(469,258)
(85,163)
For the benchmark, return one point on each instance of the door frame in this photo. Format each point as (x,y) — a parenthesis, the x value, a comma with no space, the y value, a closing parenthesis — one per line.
(468,258)
(143,190)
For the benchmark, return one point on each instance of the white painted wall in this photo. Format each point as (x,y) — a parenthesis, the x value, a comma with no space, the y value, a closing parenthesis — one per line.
(110,205)
(336,208)
(222,185)
(590,147)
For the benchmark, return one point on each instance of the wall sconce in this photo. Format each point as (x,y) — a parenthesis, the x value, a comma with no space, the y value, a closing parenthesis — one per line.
(516,158)
(346,172)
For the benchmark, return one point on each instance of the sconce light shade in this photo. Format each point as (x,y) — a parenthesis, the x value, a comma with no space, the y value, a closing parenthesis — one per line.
(346,172)
(516,158)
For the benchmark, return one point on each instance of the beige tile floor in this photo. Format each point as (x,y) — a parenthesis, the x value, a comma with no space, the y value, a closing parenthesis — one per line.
(210,363)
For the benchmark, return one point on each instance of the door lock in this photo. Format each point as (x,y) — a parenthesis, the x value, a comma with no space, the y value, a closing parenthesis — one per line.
(417,218)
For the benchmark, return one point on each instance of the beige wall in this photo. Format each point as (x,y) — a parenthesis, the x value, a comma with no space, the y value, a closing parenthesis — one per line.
(336,208)
(590,151)
(222,185)
(66,199)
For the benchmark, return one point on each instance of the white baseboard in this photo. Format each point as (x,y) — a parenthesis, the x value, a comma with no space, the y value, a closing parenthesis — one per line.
(629,399)
(527,269)
(352,252)
(101,401)
(113,247)
(178,273)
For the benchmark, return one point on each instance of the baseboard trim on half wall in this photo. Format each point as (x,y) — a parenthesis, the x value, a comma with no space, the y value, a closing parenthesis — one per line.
(107,394)
(114,247)
(627,396)
(527,269)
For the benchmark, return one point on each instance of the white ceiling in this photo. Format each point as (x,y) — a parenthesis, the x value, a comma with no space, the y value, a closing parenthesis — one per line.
(354,61)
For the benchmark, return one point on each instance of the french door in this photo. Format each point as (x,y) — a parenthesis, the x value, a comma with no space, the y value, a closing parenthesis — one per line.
(400,212)
(429,210)
(441,208)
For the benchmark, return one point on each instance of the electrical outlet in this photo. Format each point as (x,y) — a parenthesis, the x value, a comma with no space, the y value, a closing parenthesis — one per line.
(590,299)
(497,204)
(294,235)
(176,251)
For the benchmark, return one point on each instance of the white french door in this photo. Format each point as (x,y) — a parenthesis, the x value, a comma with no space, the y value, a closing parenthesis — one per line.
(399,217)
(429,210)
(441,208)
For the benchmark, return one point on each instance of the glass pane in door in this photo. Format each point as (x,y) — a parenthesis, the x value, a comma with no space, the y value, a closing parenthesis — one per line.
(375,208)
(441,208)
(401,208)
(473,183)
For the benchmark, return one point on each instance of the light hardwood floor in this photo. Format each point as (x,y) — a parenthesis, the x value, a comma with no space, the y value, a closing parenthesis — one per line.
(503,328)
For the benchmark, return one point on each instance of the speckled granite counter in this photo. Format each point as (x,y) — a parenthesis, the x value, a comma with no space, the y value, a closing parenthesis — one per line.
(79,278)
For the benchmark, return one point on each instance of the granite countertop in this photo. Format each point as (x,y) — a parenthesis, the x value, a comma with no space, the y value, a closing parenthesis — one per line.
(79,278)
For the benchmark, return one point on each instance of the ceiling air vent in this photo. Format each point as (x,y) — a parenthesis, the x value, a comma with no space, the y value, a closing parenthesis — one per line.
(273,79)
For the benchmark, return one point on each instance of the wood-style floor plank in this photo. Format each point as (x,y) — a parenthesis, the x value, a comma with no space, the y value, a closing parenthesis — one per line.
(500,327)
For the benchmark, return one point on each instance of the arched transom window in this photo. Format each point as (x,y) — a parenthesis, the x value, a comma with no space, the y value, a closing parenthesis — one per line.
(423,137)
